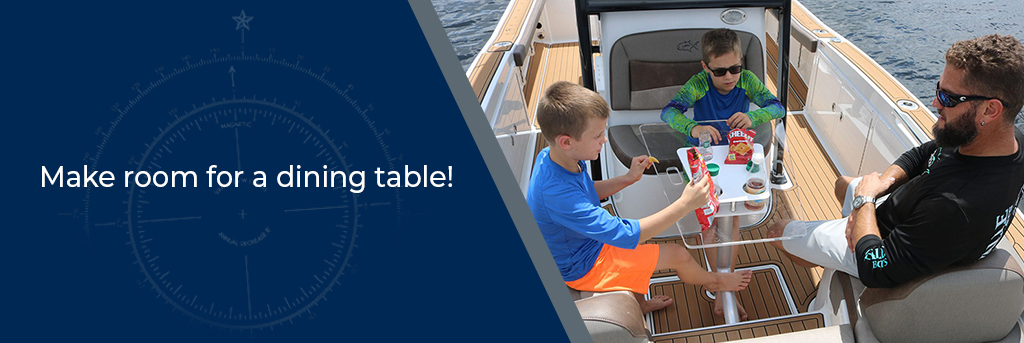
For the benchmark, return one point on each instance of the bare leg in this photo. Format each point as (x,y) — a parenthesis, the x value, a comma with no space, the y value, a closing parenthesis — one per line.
(676,257)
(842,183)
(776,231)
(735,252)
(657,302)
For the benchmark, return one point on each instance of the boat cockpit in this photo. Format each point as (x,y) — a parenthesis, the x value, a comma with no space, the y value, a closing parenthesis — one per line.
(845,116)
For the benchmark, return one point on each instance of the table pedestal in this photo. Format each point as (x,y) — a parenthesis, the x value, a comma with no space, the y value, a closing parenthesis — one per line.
(724,262)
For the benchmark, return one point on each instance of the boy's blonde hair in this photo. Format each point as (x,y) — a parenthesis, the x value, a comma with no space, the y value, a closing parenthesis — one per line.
(565,108)
(719,42)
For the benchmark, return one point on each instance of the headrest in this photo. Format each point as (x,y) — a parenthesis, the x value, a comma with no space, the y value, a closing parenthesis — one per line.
(647,69)
(979,302)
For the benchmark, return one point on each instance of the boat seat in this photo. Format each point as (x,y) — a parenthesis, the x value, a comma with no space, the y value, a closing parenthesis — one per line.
(646,72)
(980,302)
(611,316)
(647,69)
(626,143)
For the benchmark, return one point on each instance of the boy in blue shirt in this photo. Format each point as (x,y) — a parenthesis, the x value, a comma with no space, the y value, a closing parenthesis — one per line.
(594,250)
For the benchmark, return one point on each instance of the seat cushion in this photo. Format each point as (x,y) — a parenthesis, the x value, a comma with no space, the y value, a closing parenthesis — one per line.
(649,64)
(611,316)
(627,142)
(979,302)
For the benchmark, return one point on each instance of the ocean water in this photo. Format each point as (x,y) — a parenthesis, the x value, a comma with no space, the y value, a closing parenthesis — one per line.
(469,24)
(907,38)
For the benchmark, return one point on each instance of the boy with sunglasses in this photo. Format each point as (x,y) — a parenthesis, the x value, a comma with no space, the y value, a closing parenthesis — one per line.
(722,91)
(949,200)
(722,94)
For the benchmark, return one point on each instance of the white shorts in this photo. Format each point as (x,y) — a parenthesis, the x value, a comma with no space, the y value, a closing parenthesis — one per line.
(825,242)
(824,245)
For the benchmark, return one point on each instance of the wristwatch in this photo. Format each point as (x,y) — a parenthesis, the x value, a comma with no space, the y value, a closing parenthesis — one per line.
(860,200)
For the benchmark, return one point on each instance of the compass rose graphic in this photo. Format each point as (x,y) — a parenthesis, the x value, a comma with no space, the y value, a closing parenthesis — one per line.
(242,23)
(244,257)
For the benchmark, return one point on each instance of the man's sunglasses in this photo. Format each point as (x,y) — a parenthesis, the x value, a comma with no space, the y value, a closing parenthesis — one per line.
(947,99)
(736,69)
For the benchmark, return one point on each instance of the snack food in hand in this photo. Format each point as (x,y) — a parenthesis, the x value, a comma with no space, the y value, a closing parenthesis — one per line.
(741,146)
(653,160)
(699,170)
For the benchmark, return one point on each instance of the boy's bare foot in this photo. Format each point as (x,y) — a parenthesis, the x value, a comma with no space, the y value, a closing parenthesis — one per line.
(719,312)
(656,302)
(734,281)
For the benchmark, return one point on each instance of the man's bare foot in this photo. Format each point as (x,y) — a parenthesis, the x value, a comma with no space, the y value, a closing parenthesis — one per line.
(721,313)
(656,302)
(734,281)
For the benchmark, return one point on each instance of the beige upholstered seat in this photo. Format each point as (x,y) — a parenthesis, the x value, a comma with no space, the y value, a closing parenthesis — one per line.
(647,69)
(611,316)
(980,302)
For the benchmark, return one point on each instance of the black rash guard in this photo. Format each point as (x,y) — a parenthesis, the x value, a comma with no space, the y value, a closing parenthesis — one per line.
(952,211)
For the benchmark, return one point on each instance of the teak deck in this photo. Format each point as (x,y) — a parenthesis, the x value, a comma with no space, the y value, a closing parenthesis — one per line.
(747,330)
(550,64)
(809,168)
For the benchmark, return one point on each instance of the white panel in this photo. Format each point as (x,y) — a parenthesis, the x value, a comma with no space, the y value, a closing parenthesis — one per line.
(850,133)
(517,150)
(563,26)
(511,117)
(886,142)
(822,108)
(496,91)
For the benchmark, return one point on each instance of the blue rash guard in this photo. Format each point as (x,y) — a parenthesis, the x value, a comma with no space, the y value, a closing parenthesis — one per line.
(569,214)
(709,104)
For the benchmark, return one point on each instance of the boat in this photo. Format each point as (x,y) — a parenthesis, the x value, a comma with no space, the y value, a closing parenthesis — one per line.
(846,115)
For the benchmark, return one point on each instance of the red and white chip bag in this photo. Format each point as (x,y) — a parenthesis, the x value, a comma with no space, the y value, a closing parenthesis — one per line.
(741,146)
(698,169)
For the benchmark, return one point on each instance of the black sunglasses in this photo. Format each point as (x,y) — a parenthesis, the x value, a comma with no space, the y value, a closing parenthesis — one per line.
(736,69)
(947,99)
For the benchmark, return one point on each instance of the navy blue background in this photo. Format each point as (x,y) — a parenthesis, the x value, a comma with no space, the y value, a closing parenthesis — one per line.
(436,263)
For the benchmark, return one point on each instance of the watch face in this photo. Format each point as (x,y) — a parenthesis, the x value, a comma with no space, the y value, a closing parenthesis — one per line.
(858,201)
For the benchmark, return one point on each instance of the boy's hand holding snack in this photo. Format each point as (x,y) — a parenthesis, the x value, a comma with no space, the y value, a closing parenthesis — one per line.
(636,169)
(696,194)
(699,170)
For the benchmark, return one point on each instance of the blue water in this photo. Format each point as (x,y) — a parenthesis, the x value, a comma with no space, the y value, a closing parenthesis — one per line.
(910,38)
(907,38)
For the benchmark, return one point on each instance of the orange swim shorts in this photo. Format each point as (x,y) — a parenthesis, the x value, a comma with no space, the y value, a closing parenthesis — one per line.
(620,269)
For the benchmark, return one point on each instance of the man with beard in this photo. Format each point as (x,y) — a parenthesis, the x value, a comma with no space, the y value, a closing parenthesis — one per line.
(949,201)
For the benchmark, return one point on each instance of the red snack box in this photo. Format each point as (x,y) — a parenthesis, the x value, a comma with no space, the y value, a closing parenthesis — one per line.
(741,146)
(698,169)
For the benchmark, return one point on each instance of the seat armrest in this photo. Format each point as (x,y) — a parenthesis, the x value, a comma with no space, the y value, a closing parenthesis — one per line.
(981,301)
(613,317)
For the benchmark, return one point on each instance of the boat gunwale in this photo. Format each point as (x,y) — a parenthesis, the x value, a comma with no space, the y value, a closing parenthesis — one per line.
(602,6)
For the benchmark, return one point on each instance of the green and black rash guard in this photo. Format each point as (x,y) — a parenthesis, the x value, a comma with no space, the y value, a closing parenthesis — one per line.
(953,211)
